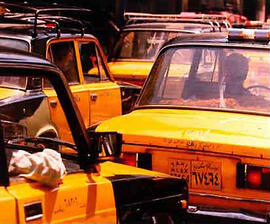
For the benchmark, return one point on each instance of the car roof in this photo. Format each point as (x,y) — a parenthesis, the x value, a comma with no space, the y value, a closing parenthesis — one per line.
(26,30)
(22,33)
(38,21)
(218,39)
(12,55)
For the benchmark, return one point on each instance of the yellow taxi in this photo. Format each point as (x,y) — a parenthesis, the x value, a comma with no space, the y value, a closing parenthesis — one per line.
(61,40)
(91,188)
(143,36)
(140,41)
(203,115)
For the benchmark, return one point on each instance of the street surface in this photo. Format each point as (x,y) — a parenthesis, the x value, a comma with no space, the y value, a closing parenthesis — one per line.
(195,217)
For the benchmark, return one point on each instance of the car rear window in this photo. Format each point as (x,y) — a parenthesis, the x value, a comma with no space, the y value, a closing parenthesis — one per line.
(15,43)
(141,44)
(210,77)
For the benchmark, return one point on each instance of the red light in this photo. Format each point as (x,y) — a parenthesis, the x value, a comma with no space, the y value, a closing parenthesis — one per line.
(254,178)
(265,170)
(50,25)
(130,159)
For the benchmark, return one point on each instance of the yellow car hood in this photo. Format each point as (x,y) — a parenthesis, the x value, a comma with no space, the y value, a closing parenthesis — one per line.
(127,68)
(223,132)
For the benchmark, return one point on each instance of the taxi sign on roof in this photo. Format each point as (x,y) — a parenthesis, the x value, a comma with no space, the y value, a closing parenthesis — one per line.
(249,34)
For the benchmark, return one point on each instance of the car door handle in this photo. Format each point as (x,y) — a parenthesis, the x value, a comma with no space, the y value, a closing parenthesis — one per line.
(33,211)
(53,103)
(93,96)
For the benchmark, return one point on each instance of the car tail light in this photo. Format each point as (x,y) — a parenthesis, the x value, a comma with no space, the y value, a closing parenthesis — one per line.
(141,160)
(253,177)
(50,25)
(130,159)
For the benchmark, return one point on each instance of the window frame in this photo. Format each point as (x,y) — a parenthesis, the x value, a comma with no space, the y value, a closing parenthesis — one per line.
(49,56)
(100,61)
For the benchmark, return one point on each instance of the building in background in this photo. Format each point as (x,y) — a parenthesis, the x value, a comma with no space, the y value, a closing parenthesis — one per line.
(252,9)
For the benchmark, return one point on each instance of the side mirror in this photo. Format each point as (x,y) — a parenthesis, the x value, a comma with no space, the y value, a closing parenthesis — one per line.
(106,145)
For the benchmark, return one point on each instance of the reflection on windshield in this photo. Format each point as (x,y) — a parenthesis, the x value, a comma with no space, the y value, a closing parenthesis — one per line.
(235,79)
(33,114)
(15,43)
(13,82)
(141,44)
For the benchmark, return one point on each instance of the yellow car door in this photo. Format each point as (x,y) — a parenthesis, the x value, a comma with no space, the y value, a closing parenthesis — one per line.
(62,52)
(104,94)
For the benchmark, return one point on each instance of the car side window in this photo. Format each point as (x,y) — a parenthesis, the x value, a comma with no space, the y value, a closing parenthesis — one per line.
(63,55)
(92,64)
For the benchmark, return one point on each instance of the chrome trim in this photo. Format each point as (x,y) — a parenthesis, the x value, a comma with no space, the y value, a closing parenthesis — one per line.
(34,217)
(165,30)
(194,210)
(230,198)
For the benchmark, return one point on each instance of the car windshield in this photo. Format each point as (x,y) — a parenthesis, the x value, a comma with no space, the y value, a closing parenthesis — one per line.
(13,82)
(141,44)
(15,43)
(210,77)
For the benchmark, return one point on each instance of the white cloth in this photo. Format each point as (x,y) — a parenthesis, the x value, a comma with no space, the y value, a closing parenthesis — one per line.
(45,167)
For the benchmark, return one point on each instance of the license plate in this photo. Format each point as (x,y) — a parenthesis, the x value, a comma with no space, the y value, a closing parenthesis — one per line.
(199,174)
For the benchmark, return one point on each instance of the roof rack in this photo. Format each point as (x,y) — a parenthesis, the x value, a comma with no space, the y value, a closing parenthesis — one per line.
(17,7)
(211,19)
(42,16)
(130,15)
(57,20)
(39,11)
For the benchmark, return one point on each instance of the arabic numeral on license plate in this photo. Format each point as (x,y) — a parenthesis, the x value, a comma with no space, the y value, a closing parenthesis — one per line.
(203,178)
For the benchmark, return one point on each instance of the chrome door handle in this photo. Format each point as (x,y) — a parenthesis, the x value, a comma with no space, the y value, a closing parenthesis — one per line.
(53,103)
(93,96)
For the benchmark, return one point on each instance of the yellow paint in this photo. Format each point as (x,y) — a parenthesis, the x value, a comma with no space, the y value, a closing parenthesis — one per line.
(93,99)
(81,197)
(8,207)
(104,101)
(175,127)
(111,169)
(219,138)
(6,92)
(130,70)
